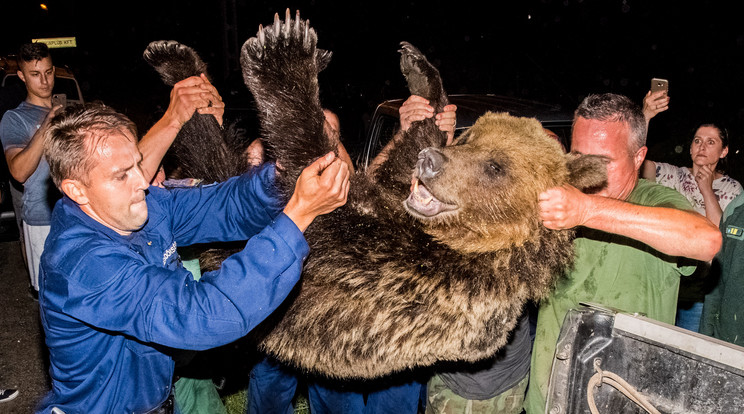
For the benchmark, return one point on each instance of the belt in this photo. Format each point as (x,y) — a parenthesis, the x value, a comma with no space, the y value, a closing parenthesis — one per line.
(167,407)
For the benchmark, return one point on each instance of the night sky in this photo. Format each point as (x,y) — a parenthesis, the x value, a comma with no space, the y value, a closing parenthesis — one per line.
(557,51)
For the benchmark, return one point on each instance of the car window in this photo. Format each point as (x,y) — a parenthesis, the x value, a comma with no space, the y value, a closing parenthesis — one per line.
(384,126)
(563,131)
(381,130)
(12,94)
(67,87)
(12,81)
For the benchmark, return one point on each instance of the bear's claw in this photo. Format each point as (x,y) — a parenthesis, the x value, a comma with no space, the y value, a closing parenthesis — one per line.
(422,77)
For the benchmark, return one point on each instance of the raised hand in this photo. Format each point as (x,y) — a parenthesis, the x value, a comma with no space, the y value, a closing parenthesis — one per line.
(321,188)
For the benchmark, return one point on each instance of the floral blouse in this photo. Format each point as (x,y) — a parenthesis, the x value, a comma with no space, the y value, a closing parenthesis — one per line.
(682,180)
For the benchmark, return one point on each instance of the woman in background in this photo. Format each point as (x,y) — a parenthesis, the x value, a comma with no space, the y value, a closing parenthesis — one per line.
(708,189)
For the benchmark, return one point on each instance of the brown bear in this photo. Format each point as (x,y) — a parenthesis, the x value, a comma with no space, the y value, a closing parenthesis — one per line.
(435,253)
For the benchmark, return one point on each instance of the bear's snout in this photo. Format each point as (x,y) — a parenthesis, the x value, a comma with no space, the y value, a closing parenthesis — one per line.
(430,162)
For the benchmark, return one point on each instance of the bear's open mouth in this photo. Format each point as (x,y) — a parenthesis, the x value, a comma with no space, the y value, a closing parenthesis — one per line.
(421,202)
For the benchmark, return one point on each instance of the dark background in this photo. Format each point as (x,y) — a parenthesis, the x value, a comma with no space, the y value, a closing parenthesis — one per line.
(552,50)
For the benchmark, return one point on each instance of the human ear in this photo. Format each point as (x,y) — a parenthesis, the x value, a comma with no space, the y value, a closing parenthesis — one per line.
(75,190)
(639,156)
(20,75)
(724,153)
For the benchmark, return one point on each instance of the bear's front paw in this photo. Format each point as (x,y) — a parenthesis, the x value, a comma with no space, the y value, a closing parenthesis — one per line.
(272,41)
(173,61)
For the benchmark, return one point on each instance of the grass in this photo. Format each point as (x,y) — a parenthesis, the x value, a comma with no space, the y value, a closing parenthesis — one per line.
(236,403)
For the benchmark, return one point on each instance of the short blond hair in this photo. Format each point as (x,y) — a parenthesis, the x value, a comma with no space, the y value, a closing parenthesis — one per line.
(72,135)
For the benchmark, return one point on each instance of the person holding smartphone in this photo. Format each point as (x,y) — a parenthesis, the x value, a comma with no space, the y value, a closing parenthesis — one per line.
(707,187)
(22,133)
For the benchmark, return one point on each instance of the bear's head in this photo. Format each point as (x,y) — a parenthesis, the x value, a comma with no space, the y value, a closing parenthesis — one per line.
(481,193)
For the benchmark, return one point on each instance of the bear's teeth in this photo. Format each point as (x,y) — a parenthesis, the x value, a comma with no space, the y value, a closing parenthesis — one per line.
(417,194)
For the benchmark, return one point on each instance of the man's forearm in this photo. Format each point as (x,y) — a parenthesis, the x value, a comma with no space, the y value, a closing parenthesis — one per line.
(155,144)
(668,230)
(23,162)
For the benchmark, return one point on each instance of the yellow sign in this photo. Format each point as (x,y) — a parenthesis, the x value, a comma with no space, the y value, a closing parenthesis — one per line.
(58,42)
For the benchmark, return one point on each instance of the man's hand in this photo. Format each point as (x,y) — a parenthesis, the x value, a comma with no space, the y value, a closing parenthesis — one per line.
(193,94)
(416,108)
(189,95)
(654,103)
(447,121)
(321,188)
(562,207)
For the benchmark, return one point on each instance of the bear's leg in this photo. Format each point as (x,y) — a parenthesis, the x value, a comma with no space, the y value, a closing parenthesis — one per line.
(423,80)
(280,66)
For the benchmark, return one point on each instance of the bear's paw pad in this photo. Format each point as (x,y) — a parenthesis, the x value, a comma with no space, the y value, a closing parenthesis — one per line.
(173,61)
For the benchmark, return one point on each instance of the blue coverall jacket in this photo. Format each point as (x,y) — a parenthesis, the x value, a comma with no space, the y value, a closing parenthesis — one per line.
(113,306)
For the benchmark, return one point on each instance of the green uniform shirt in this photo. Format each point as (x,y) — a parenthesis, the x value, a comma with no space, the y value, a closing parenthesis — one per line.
(614,271)
(723,312)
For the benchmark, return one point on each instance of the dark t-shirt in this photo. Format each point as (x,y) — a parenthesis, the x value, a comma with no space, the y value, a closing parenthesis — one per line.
(491,377)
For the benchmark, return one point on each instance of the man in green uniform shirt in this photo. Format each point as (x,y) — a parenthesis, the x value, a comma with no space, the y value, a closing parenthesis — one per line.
(723,311)
(632,237)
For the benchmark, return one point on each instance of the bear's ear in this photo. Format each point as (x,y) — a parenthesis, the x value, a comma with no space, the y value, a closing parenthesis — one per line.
(588,173)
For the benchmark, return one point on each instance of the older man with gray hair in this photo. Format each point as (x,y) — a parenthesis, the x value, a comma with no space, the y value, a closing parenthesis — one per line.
(632,237)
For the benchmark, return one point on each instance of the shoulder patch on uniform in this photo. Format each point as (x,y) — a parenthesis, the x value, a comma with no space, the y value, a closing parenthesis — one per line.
(735,232)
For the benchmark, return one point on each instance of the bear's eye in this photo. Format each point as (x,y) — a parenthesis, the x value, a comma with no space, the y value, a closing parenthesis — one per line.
(493,168)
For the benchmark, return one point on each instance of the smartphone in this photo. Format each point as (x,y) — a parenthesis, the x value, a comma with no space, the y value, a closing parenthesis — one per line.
(59,99)
(658,84)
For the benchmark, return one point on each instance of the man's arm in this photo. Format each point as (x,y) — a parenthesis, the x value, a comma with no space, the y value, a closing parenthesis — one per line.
(246,204)
(22,162)
(668,230)
(169,307)
(189,95)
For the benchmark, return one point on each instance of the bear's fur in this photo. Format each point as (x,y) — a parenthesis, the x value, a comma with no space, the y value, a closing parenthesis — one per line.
(175,62)
(401,278)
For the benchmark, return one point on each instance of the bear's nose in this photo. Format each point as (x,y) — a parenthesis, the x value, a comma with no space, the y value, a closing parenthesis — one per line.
(430,162)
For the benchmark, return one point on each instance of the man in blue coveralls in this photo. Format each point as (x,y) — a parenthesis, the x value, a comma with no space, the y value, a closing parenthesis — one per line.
(114,296)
